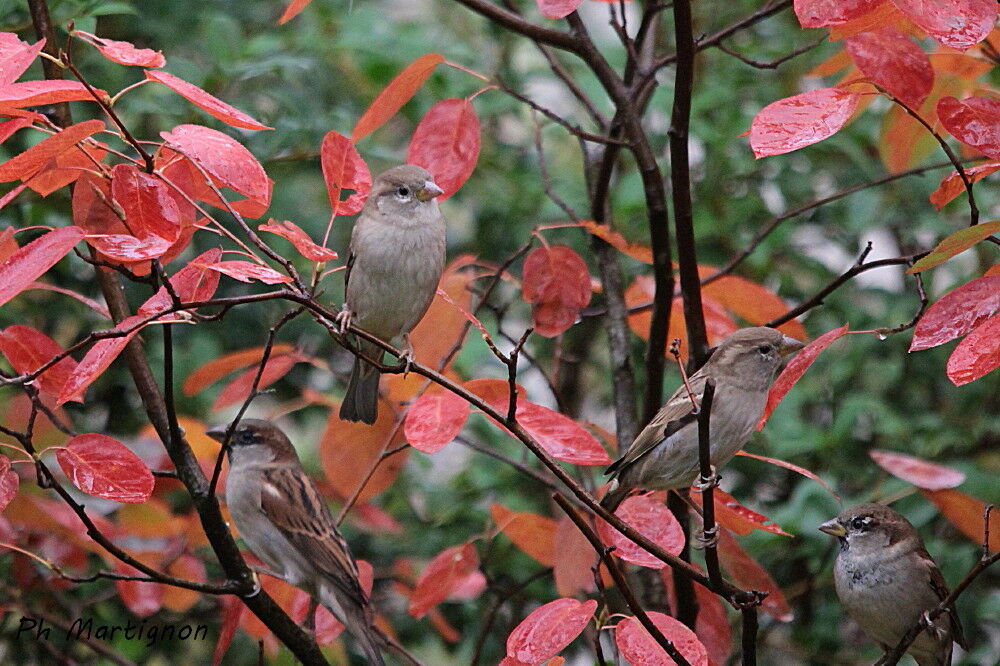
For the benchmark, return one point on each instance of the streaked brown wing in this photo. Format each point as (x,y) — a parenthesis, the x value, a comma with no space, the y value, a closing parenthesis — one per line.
(295,507)
(674,415)
(940,587)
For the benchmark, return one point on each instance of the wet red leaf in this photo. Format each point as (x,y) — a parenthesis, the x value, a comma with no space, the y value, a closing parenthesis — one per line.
(27,164)
(921,473)
(795,369)
(955,23)
(975,121)
(96,361)
(31,261)
(442,576)
(247,271)
(28,349)
(976,355)
(652,519)
(39,93)
(192,284)
(734,516)
(562,437)
(712,626)
(966,513)
(956,313)
(952,185)
(557,9)
(292,10)
(801,120)
(104,467)
(641,649)
(548,629)
(205,101)
(748,574)
(16,56)
(122,247)
(231,612)
(344,169)
(557,284)
(238,389)
(8,482)
(299,239)
(823,13)
(795,468)
(891,60)
(123,53)
(446,143)
(532,533)
(435,419)
(397,93)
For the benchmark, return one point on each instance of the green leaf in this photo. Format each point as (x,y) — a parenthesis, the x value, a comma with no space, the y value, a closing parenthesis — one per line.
(960,241)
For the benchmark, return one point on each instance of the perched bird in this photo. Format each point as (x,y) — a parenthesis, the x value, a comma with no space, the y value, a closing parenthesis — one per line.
(887,580)
(285,522)
(665,454)
(396,260)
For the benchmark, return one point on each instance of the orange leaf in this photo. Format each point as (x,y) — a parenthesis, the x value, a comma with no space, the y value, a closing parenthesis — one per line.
(952,185)
(239,388)
(617,241)
(222,366)
(188,567)
(292,10)
(442,576)
(349,450)
(747,573)
(921,473)
(395,95)
(966,513)
(530,532)
(752,302)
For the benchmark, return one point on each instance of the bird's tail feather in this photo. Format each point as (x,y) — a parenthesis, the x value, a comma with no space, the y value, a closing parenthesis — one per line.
(361,400)
(359,620)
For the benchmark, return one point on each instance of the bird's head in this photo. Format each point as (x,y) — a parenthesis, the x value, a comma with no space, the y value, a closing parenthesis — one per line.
(752,355)
(254,439)
(868,528)
(407,191)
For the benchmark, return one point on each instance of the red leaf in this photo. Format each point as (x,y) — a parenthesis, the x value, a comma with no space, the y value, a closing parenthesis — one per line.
(343,169)
(232,610)
(573,560)
(142,598)
(203,100)
(795,468)
(31,261)
(123,53)
(192,283)
(395,95)
(34,159)
(801,120)
(122,247)
(299,239)
(104,467)
(952,185)
(955,243)
(956,313)
(734,516)
(227,162)
(548,629)
(921,473)
(795,369)
(712,626)
(966,513)
(823,13)
(8,127)
(641,649)
(238,389)
(532,533)
(96,361)
(247,271)
(39,93)
(976,355)
(66,167)
(28,349)
(147,201)
(891,60)
(8,482)
(222,366)
(434,420)
(557,9)
(557,284)
(292,10)
(562,437)
(652,519)
(975,121)
(955,23)
(442,576)
(747,573)
(16,56)
(446,143)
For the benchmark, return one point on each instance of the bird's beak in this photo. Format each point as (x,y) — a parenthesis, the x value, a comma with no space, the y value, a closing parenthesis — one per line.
(833,528)
(789,346)
(429,191)
(218,433)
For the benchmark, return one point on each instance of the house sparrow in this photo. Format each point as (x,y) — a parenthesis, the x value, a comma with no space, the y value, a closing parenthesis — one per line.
(285,522)
(396,260)
(886,580)
(665,454)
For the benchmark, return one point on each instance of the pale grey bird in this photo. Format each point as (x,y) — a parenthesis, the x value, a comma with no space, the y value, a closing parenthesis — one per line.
(665,454)
(283,519)
(887,580)
(396,260)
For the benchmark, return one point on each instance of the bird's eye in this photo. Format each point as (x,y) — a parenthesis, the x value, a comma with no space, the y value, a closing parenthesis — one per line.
(765,349)
(403,191)
(859,523)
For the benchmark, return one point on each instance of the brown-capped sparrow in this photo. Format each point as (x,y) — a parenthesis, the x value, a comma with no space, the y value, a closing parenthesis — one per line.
(887,580)
(396,260)
(665,454)
(285,522)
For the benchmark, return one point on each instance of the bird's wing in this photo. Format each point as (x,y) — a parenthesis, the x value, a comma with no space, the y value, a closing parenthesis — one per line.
(940,587)
(347,272)
(674,415)
(293,504)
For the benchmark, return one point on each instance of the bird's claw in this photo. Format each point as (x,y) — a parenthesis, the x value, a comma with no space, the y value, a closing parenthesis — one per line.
(708,538)
(407,357)
(343,319)
(704,483)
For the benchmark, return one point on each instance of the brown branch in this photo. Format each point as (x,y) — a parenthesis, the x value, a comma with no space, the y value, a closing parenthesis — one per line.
(708,482)
(522,26)
(773,64)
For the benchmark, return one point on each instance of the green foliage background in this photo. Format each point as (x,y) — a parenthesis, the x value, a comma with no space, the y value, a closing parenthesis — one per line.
(320,71)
